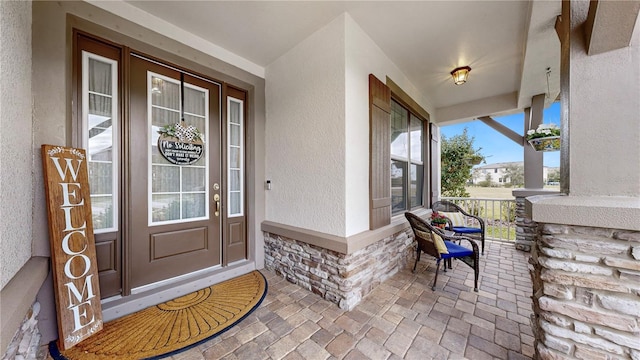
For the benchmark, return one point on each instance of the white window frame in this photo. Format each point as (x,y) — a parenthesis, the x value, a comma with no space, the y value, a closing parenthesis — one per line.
(153,135)
(240,156)
(115,165)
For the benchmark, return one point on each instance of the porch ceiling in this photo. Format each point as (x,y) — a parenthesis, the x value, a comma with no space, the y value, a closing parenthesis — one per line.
(508,44)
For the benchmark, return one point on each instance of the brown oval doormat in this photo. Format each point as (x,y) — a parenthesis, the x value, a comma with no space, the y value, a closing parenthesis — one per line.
(173,326)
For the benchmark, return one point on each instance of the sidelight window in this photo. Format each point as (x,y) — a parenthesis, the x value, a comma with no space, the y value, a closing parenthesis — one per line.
(100,119)
(235,160)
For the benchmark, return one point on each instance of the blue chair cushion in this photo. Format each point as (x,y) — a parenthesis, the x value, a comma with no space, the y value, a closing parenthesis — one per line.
(455,251)
(466,230)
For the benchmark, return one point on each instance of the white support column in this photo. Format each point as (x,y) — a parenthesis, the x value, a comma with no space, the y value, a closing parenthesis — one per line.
(533,161)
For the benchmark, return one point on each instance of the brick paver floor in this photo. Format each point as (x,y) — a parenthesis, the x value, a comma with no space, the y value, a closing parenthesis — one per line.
(400,319)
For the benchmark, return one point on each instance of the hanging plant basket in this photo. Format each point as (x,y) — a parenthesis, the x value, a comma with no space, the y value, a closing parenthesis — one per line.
(549,143)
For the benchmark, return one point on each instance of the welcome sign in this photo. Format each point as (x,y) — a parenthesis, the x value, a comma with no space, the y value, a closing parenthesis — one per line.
(73,252)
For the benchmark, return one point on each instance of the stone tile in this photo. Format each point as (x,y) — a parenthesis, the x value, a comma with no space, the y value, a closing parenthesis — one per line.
(251,332)
(341,345)
(408,328)
(312,351)
(251,351)
(459,326)
(453,342)
(384,325)
(304,331)
(349,325)
(322,337)
(221,349)
(398,343)
(487,346)
(509,326)
(371,350)
(508,341)
(423,348)
(400,318)
(475,354)
(282,347)
(376,335)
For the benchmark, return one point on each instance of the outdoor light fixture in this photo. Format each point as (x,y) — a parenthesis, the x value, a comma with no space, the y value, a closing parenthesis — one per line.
(460,74)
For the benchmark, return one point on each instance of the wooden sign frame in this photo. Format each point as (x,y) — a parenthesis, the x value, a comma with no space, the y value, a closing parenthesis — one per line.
(73,251)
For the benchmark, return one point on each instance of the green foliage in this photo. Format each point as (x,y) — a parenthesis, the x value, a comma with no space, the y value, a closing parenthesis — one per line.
(515,173)
(457,157)
(509,211)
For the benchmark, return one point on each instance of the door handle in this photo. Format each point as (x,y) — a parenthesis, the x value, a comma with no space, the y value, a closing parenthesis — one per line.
(216,198)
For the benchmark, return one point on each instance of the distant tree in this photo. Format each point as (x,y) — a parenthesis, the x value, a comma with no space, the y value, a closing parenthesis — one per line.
(553,176)
(457,158)
(515,173)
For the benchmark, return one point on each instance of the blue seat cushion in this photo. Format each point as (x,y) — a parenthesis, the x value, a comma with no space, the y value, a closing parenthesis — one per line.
(455,251)
(466,230)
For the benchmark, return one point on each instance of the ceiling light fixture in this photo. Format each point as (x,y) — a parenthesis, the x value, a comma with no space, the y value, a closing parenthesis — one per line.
(460,74)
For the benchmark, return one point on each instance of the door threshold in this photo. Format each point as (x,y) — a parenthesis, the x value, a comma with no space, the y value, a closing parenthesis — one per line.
(156,293)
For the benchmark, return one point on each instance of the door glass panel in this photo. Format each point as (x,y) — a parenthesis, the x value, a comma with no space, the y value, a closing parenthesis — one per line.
(178,193)
(100,117)
(235,148)
(166,178)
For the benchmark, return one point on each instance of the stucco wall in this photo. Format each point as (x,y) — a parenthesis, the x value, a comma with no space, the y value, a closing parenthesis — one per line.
(604,118)
(305,151)
(364,57)
(15,140)
(318,128)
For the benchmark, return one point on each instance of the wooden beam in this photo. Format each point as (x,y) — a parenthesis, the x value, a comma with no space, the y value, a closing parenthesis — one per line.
(518,139)
(609,25)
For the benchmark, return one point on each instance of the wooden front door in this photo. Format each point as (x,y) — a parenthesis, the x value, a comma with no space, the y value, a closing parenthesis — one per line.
(174,210)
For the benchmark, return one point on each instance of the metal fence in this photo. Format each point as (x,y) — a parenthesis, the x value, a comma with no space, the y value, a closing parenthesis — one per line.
(499,215)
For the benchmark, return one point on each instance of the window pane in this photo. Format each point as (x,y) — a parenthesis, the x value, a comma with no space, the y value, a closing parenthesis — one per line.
(193,206)
(235,129)
(166,178)
(416,139)
(193,179)
(100,77)
(417,175)
(102,211)
(161,117)
(100,105)
(234,180)
(234,135)
(399,138)
(194,101)
(398,186)
(234,202)
(100,177)
(234,157)
(99,113)
(165,207)
(186,184)
(165,93)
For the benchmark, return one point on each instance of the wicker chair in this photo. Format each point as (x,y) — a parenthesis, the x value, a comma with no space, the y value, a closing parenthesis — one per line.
(422,231)
(474,232)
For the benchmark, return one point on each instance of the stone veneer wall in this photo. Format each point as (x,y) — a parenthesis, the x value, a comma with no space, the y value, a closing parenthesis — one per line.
(25,345)
(526,229)
(586,293)
(343,279)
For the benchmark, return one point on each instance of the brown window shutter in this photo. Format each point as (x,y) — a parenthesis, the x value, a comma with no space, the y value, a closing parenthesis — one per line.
(380,153)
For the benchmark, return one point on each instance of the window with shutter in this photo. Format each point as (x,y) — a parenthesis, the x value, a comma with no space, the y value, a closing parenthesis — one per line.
(398,170)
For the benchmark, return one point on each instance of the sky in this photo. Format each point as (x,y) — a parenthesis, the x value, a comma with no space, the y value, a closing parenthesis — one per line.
(496,147)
